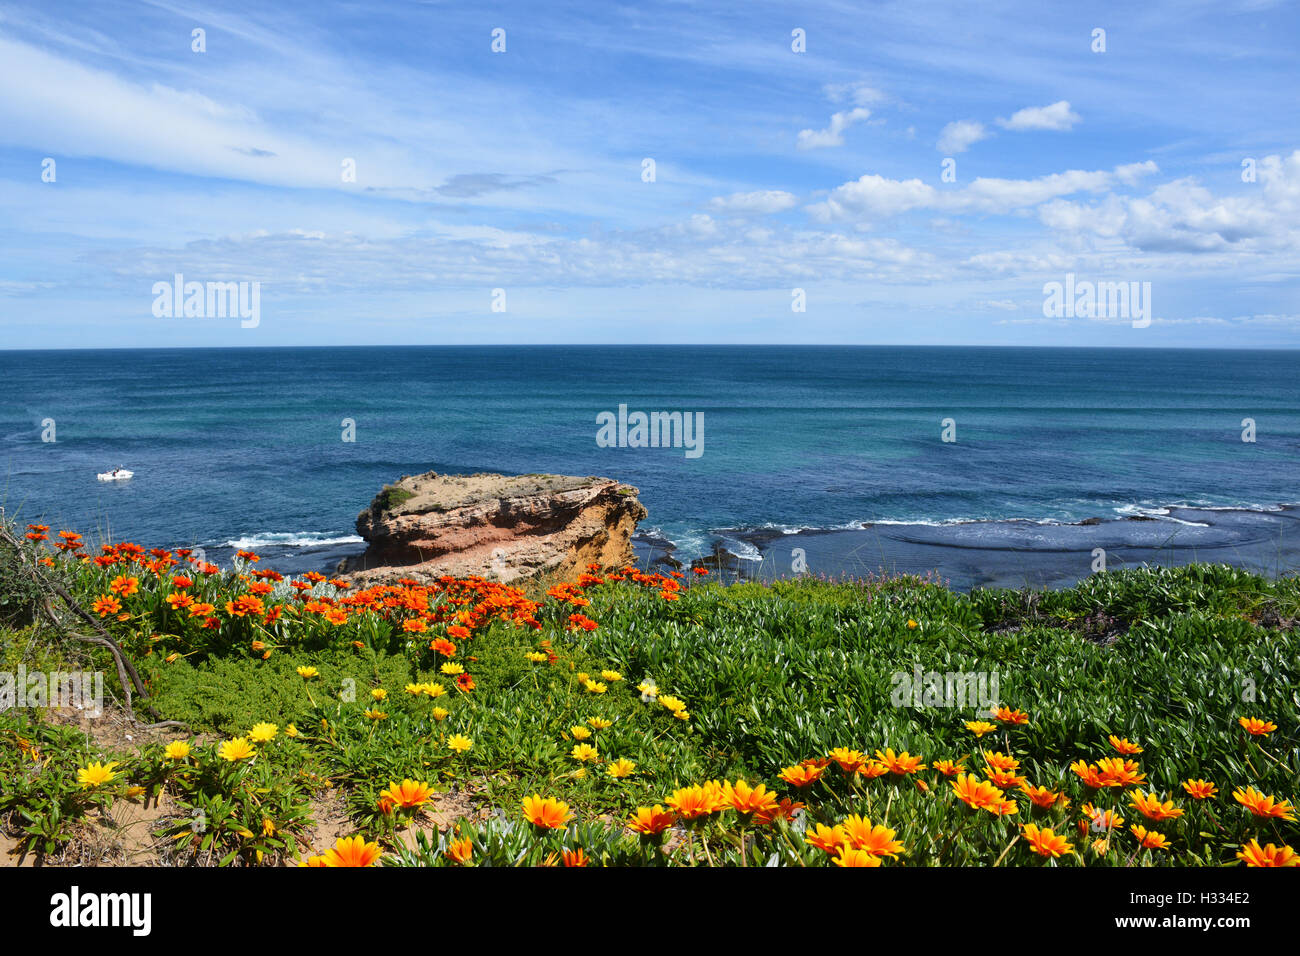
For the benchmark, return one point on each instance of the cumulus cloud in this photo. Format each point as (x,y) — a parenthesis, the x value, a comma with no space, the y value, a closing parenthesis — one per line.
(1057,117)
(761,202)
(833,135)
(959,136)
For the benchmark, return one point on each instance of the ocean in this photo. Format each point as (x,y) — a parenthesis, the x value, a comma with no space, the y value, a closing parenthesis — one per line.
(837,452)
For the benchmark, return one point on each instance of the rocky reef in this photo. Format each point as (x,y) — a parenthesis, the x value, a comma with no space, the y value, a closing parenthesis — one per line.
(506,528)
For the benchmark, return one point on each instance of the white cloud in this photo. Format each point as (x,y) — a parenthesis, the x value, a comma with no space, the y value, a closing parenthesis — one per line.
(1057,117)
(833,135)
(959,136)
(761,202)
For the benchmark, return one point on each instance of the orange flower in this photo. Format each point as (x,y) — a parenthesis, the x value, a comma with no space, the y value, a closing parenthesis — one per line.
(244,605)
(785,810)
(1263,806)
(461,851)
(1149,805)
(1006,779)
(415,625)
(1008,716)
(1124,746)
(458,631)
(696,802)
(801,776)
(1150,839)
(848,760)
(977,794)
(650,821)
(1200,789)
(1040,796)
(444,647)
(848,856)
(1101,819)
(546,814)
(408,794)
(1088,774)
(747,800)
(877,840)
(105,605)
(825,839)
(124,586)
(902,764)
(1117,772)
(1257,727)
(1255,855)
(352,852)
(1045,842)
(574,857)
(948,768)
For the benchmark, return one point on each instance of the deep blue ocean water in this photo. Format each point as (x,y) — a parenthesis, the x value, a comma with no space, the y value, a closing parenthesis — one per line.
(242,447)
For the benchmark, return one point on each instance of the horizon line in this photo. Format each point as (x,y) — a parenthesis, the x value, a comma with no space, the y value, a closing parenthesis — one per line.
(689,345)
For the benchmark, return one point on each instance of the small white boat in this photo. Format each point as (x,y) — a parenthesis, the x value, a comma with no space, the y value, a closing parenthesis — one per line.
(117,474)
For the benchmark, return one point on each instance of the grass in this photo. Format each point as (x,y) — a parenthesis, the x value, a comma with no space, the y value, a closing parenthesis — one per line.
(748,682)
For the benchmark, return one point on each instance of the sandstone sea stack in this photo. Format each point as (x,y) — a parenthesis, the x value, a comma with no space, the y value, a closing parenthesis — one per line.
(502,527)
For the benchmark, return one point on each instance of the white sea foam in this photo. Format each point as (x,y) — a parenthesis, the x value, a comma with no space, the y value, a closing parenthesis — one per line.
(292,539)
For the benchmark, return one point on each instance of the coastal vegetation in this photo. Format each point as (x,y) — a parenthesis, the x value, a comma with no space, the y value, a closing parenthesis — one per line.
(1144,718)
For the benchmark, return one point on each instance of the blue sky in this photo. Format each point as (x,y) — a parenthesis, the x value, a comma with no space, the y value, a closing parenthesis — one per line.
(774,170)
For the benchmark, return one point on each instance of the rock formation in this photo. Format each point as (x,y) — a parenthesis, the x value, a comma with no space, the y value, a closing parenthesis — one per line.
(506,528)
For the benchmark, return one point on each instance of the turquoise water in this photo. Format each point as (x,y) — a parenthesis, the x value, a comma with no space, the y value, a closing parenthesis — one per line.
(243,446)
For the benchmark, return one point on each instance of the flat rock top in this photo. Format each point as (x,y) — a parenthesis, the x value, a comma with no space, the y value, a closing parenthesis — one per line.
(434,492)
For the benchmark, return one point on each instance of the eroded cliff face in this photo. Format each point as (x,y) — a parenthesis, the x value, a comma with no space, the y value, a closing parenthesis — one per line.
(505,528)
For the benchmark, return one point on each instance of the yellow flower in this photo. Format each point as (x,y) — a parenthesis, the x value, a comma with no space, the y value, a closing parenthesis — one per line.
(451,669)
(408,794)
(612,676)
(414,689)
(177,750)
(96,774)
(583,752)
(434,690)
(600,723)
(134,793)
(353,852)
(621,768)
(912,625)
(459,743)
(291,731)
(376,714)
(236,750)
(268,827)
(848,856)
(536,657)
(440,713)
(263,732)
(579,732)
(548,814)
(979,727)
(595,687)
(378,693)
(307,673)
(460,851)
(1255,855)
(672,703)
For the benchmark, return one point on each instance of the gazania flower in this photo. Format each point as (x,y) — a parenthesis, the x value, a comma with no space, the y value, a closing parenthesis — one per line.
(612,676)
(1200,789)
(600,723)
(1117,772)
(650,821)
(352,852)
(747,800)
(583,753)
(105,605)
(574,857)
(1006,779)
(460,851)
(1101,819)
(1001,761)
(696,802)
(1257,727)
(801,776)
(378,693)
(911,624)
(375,714)
(96,775)
(236,750)
(1263,806)
(1040,797)
(977,794)
(825,839)
(1008,716)
(263,732)
(1124,746)
(536,657)
(848,856)
(1045,842)
(451,669)
(464,682)
(1149,805)
(439,713)
(414,625)
(848,760)
(124,586)
(202,609)
(785,810)
(877,840)
(546,814)
(580,732)
(979,727)
(1252,854)
(177,750)
(408,794)
(621,768)
(948,768)
(1089,774)
(1150,839)
(595,686)
(901,764)
(444,647)
(307,673)
(458,631)
(459,743)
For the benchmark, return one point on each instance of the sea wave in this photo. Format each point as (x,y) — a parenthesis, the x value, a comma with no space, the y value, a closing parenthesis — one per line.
(292,539)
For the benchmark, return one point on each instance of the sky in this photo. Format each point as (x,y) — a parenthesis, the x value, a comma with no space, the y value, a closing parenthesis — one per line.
(519,173)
